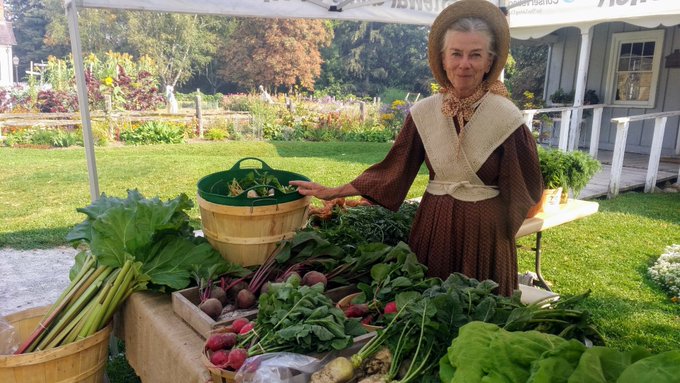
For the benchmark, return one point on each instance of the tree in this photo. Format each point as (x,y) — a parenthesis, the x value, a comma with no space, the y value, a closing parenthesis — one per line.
(179,44)
(275,52)
(528,72)
(30,20)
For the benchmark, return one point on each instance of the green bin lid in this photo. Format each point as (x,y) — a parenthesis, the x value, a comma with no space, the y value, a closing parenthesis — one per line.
(215,187)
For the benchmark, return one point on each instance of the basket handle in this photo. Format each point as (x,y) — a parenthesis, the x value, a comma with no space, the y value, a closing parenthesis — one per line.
(263,165)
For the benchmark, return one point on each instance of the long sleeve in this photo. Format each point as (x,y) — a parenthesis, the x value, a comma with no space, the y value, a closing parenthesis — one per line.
(388,182)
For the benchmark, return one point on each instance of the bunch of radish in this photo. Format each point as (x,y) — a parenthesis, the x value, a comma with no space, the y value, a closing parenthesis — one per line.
(369,313)
(223,347)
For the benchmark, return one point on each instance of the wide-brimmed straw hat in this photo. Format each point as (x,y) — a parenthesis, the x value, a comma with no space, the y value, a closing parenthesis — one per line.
(481,9)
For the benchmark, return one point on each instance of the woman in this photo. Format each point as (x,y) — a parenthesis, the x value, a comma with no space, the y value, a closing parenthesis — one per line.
(482,159)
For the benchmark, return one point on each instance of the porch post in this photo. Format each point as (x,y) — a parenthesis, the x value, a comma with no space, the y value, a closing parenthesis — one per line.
(580,88)
(595,132)
(655,154)
(617,158)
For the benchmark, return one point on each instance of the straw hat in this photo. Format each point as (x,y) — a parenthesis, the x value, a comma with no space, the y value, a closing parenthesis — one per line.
(481,9)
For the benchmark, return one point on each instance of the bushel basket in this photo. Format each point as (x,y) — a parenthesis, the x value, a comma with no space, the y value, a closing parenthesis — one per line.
(82,361)
(246,230)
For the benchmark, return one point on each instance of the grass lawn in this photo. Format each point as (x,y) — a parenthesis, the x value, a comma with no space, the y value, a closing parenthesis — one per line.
(608,252)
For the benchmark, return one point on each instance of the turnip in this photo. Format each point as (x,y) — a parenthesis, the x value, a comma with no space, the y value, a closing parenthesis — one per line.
(220,358)
(221,341)
(238,324)
(212,307)
(237,357)
(338,370)
(245,299)
(313,277)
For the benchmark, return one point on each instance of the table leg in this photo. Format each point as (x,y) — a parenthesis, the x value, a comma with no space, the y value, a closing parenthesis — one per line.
(541,281)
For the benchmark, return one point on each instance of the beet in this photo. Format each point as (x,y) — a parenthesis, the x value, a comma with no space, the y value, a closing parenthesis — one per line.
(233,292)
(212,307)
(313,277)
(265,288)
(237,357)
(218,293)
(294,279)
(238,323)
(220,358)
(221,341)
(245,299)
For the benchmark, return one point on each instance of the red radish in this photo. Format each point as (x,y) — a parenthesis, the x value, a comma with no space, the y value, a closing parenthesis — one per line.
(236,358)
(246,328)
(221,341)
(220,358)
(367,320)
(313,277)
(238,324)
(391,308)
(356,311)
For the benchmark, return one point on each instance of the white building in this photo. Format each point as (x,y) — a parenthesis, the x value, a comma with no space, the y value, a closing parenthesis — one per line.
(7,40)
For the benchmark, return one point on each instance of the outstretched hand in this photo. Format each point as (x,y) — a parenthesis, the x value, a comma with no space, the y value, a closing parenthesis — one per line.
(323,192)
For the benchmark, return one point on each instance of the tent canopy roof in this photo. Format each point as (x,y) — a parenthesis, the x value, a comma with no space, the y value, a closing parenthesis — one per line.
(528,18)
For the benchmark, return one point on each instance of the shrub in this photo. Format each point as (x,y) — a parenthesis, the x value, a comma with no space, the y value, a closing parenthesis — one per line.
(153,132)
(666,271)
(216,134)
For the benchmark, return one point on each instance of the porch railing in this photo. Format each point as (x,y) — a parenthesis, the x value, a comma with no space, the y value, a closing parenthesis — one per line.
(568,139)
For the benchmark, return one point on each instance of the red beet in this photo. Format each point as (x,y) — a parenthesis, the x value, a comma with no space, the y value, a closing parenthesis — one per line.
(391,308)
(313,277)
(238,324)
(221,341)
(236,358)
(220,358)
(218,293)
(212,307)
(245,299)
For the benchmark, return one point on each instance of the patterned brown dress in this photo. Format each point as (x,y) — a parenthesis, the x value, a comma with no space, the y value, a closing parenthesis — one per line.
(449,235)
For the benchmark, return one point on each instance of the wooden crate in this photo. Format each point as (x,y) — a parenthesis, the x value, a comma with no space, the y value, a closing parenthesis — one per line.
(185,305)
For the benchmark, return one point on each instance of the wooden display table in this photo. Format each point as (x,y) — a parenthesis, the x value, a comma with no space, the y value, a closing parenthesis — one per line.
(158,344)
(574,209)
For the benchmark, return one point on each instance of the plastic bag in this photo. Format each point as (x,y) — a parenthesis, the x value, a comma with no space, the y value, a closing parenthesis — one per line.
(284,367)
(9,339)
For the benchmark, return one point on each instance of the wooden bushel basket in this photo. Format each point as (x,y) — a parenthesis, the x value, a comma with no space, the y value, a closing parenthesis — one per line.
(80,361)
(247,235)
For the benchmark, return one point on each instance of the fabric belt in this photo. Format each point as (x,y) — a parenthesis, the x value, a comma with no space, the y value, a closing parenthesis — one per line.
(462,190)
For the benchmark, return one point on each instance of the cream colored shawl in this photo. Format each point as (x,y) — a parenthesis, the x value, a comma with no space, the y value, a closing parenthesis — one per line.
(456,158)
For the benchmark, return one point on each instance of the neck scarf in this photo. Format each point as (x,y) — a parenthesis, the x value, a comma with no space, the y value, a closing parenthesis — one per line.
(464,108)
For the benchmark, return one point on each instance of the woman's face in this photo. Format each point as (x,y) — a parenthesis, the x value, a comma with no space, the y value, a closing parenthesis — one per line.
(466,59)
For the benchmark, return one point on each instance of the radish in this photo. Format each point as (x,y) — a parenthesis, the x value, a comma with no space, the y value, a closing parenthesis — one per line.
(221,341)
(238,324)
(248,327)
(391,308)
(220,358)
(237,357)
(356,311)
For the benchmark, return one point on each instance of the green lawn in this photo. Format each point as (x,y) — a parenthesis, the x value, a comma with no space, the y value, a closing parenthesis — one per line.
(607,253)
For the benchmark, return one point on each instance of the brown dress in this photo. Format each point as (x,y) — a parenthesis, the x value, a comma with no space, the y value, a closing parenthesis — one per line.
(449,235)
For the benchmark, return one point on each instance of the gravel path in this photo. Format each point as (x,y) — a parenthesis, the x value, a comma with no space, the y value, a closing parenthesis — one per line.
(32,278)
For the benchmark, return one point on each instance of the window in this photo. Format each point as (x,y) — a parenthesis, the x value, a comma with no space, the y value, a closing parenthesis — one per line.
(634,68)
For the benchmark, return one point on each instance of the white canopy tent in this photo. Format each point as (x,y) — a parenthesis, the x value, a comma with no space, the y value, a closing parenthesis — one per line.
(527,18)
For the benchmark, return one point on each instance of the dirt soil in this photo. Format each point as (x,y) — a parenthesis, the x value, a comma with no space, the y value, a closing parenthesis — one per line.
(32,278)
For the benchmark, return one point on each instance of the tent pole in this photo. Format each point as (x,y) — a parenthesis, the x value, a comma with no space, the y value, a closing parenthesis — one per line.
(88,142)
(579,91)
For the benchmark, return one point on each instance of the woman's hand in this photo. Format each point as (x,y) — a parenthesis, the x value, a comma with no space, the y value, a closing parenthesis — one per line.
(323,192)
